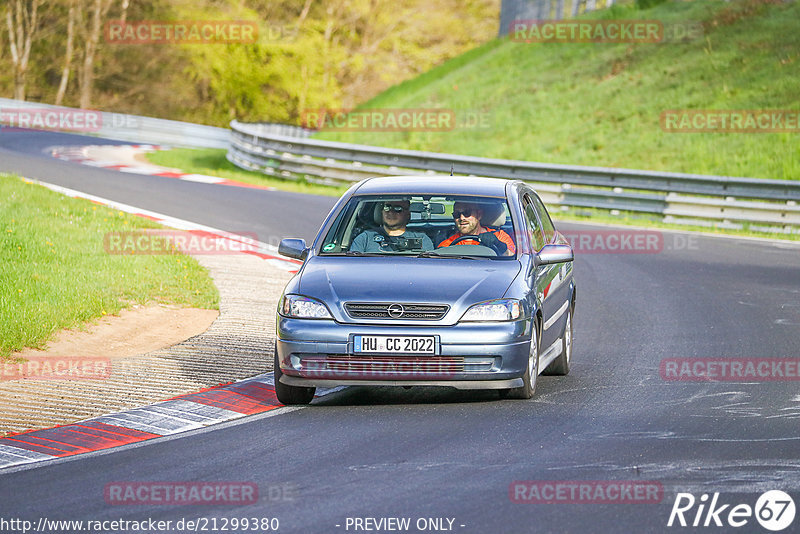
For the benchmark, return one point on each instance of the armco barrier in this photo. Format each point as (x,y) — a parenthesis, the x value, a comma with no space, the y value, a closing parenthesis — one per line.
(762,204)
(137,129)
(287,152)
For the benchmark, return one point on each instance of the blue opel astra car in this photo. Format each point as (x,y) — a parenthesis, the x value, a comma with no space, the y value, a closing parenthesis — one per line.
(427,281)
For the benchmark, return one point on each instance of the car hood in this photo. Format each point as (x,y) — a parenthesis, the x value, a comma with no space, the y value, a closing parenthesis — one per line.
(458,283)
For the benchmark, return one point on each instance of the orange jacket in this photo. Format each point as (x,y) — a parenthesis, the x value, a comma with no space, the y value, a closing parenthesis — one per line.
(500,234)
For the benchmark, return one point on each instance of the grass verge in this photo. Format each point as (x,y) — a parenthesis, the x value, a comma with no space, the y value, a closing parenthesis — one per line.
(212,162)
(55,273)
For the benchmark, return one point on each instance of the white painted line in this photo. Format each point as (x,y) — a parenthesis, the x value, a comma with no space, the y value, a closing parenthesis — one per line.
(13,455)
(99,163)
(202,178)
(147,419)
(193,412)
(140,170)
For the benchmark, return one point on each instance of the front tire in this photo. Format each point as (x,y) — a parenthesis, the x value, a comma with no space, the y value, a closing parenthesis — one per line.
(560,365)
(290,395)
(529,379)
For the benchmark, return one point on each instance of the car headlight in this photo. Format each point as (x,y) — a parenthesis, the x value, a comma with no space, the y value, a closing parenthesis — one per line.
(303,308)
(494,310)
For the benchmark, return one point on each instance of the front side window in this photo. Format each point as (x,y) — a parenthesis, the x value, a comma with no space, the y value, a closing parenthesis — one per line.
(534,227)
(426,225)
(547,224)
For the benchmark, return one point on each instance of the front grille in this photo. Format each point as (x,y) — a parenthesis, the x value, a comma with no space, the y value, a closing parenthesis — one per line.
(380,310)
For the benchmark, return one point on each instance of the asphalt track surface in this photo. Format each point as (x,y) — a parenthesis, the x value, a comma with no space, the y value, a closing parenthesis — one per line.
(441,453)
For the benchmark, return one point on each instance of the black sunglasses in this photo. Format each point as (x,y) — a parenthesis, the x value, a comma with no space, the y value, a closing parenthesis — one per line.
(393,207)
(465,212)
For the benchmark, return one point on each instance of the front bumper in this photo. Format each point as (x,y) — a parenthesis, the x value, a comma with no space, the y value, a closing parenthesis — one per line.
(468,355)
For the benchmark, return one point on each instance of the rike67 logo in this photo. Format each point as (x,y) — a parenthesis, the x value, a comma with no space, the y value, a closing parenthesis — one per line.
(774,510)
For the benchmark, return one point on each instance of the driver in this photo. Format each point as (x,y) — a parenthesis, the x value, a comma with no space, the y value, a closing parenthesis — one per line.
(467,219)
(395,215)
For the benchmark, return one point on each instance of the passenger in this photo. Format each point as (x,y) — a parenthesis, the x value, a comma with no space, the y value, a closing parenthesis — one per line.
(392,234)
(467,218)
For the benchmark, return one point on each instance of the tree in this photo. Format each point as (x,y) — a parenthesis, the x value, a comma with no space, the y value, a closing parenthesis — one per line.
(65,72)
(96,12)
(22,23)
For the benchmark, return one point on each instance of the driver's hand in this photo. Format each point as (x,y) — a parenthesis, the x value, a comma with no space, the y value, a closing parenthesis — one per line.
(488,239)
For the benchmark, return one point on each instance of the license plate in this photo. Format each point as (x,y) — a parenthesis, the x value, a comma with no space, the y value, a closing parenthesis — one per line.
(395,344)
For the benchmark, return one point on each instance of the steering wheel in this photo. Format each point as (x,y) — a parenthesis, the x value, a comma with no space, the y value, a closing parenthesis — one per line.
(465,237)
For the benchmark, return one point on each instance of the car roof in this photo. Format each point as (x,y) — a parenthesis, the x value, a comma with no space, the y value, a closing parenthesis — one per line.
(434,184)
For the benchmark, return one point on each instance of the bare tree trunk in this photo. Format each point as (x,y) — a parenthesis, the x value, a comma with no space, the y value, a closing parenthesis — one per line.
(124,16)
(86,77)
(560,10)
(590,5)
(22,27)
(304,13)
(62,87)
(609,3)
(327,36)
(576,4)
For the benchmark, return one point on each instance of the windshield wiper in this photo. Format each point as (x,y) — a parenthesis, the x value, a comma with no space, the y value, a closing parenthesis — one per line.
(359,253)
(432,254)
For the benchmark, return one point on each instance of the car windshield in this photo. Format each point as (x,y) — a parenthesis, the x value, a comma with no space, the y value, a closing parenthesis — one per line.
(430,226)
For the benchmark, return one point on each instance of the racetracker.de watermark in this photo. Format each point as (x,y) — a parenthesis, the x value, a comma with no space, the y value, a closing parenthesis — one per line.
(394,120)
(730,369)
(189,493)
(730,121)
(585,492)
(74,120)
(621,241)
(603,31)
(382,367)
(586,31)
(152,241)
(181,32)
(56,368)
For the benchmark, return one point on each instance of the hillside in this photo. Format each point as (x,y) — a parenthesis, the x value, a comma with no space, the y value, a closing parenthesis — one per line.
(600,104)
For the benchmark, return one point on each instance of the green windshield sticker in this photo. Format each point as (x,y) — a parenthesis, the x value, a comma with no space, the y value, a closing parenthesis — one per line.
(329,247)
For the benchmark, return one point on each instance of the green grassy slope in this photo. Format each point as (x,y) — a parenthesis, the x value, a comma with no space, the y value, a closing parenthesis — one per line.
(55,272)
(599,104)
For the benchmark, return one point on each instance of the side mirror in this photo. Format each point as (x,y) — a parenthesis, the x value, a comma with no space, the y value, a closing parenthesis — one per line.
(554,254)
(293,248)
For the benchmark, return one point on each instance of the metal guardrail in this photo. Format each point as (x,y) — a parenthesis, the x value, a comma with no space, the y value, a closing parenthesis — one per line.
(511,10)
(137,129)
(682,198)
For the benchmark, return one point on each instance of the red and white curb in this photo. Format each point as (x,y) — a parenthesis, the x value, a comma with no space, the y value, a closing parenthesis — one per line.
(123,158)
(181,414)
